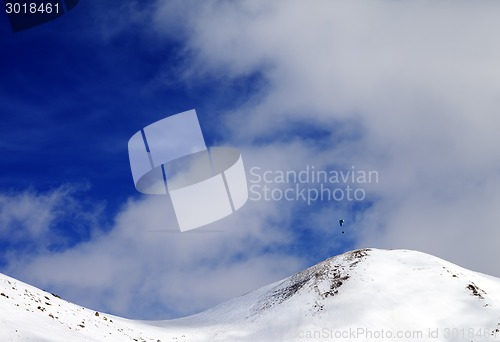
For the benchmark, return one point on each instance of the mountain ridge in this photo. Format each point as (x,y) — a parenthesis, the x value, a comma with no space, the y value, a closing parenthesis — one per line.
(387,293)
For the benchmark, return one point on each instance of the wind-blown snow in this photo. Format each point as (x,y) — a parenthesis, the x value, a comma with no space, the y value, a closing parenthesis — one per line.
(363,295)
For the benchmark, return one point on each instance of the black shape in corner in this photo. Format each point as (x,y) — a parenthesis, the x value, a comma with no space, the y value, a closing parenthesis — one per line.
(26,14)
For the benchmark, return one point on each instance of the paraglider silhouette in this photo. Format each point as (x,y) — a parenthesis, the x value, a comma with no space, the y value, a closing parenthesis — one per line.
(341,223)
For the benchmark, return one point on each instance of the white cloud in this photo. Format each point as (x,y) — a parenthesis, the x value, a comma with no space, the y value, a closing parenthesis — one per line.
(24,214)
(28,218)
(418,81)
(146,268)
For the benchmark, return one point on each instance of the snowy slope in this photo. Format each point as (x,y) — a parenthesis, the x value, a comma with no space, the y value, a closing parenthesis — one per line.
(363,295)
(30,314)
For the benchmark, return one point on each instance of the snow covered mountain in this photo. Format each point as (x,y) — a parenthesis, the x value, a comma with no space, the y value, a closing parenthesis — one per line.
(363,295)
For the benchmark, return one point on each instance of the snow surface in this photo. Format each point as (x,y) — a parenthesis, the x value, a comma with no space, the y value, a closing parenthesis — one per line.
(363,295)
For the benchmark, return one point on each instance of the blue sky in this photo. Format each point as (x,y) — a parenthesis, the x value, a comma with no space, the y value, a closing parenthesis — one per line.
(334,85)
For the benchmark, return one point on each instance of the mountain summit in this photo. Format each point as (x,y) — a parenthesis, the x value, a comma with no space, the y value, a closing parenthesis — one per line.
(362,295)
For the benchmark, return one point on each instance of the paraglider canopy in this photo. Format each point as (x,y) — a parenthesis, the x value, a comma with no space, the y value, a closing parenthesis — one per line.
(341,223)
